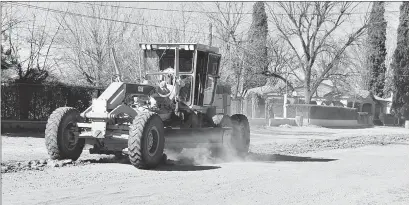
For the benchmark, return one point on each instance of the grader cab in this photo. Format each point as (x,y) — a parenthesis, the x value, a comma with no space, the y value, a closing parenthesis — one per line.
(172,108)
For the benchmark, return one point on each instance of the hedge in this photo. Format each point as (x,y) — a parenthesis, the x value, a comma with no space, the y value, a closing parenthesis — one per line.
(35,102)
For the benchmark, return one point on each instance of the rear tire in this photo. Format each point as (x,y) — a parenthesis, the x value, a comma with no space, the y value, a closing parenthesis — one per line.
(60,138)
(239,141)
(241,134)
(146,141)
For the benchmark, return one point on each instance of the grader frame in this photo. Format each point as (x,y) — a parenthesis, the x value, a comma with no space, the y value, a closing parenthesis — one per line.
(113,126)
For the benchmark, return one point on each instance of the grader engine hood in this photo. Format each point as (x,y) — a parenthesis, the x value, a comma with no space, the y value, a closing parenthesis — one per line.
(110,103)
(117,91)
(114,96)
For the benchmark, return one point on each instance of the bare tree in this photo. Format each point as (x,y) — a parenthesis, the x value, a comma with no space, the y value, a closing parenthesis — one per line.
(360,73)
(89,40)
(228,20)
(313,25)
(34,67)
(10,17)
(281,63)
(185,26)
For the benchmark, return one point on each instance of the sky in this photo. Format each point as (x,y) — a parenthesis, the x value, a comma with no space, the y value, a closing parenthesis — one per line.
(197,23)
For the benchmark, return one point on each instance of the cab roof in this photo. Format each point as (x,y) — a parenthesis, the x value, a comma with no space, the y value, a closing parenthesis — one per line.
(184,46)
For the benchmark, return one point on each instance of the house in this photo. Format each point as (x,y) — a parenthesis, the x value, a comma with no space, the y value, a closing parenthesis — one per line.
(268,101)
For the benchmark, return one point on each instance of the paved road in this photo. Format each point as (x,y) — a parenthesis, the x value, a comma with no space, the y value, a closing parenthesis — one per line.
(368,175)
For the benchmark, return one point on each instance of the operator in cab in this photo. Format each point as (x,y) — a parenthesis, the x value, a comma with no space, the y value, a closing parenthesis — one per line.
(167,87)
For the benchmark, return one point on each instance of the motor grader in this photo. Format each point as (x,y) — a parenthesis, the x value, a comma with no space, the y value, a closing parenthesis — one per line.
(171,108)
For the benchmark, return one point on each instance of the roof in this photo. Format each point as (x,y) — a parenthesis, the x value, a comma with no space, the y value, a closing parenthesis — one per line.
(269,88)
(339,93)
(322,90)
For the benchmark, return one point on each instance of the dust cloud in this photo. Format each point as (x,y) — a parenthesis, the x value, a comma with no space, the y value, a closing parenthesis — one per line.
(206,154)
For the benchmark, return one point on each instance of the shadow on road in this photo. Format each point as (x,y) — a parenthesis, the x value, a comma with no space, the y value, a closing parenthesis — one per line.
(287,158)
(185,167)
(292,133)
(183,164)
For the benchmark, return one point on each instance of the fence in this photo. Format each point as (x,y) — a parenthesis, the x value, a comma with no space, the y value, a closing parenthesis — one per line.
(330,116)
(33,102)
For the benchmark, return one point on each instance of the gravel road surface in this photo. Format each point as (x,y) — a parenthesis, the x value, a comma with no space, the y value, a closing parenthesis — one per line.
(286,166)
(369,175)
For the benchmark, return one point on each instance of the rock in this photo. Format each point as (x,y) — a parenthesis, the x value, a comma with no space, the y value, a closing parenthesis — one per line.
(4,169)
(42,161)
(27,164)
(59,164)
(65,162)
(34,162)
(52,164)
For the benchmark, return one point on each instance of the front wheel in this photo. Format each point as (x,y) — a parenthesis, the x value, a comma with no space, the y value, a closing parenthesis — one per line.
(146,141)
(61,134)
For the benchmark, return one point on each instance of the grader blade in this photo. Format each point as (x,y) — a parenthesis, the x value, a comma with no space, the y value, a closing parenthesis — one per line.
(197,137)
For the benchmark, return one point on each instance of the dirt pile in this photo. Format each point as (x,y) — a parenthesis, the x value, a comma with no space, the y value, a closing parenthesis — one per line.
(40,165)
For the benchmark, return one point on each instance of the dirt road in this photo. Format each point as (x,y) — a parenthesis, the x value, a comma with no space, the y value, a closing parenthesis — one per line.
(328,175)
(369,175)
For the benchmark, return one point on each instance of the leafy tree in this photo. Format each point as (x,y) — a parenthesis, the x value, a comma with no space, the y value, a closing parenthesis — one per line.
(376,48)
(400,63)
(256,54)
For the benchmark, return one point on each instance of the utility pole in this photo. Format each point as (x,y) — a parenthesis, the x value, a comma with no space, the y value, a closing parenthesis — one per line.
(140,56)
(1,24)
(210,34)
(285,96)
(240,77)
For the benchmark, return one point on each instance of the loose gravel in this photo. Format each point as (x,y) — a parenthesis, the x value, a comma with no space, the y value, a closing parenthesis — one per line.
(40,165)
(315,145)
(294,148)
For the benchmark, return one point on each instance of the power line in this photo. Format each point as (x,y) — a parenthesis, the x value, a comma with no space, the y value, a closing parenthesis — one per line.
(102,18)
(108,19)
(127,22)
(170,10)
(215,12)
(119,21)
(113,20)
